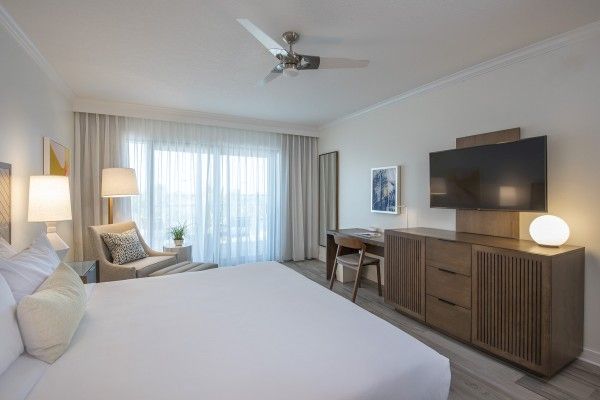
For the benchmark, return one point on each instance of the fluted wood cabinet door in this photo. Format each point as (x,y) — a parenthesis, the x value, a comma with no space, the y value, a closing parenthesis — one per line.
(511,305)
(405,273)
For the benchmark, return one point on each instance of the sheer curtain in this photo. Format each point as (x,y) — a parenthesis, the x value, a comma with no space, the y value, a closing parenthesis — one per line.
(244,196)
(224,184)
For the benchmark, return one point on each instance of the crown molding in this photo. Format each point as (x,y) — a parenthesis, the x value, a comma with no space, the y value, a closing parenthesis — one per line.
(503,61)
(26,44)
(189,116)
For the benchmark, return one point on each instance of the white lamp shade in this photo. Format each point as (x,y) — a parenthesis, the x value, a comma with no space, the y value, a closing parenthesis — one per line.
(49,198)
(119,182)
(549,230)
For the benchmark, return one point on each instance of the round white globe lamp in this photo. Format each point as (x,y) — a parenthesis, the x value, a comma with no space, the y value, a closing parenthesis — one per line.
(549,230)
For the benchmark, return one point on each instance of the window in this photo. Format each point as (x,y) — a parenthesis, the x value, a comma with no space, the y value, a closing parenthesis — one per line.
(227,195)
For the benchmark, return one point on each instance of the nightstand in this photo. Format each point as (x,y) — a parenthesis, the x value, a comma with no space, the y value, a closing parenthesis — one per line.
(184,253)
(87,270)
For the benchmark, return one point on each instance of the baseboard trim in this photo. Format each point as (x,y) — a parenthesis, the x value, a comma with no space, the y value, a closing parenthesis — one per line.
(590,356)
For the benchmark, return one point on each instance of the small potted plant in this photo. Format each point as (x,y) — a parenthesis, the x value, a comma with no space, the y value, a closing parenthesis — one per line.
(178,233)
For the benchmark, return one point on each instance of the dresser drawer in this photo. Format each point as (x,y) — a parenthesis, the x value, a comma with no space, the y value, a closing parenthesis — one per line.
(450,318)
(453,256)
(449,285)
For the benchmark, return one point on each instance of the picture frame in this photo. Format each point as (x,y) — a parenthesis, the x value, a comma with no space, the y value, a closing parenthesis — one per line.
(5,201)
(384,190)
(57,158)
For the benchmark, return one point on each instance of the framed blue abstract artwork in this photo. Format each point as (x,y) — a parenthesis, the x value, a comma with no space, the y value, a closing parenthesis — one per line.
(384,190)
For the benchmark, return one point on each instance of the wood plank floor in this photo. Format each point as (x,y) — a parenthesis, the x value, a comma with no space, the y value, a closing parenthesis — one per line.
(475,375)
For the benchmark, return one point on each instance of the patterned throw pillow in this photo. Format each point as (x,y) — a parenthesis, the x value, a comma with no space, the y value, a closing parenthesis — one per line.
(124,247)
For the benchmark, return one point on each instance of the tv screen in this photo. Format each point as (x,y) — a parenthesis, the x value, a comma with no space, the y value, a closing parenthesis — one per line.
(506,176)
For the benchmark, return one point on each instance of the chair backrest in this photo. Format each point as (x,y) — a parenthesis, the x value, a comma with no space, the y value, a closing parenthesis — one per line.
(350,243)
(100,247)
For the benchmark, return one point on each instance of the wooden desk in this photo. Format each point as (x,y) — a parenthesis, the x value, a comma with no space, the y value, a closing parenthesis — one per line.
(374,245)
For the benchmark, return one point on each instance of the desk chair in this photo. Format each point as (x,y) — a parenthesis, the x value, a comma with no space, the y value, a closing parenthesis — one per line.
(355,261)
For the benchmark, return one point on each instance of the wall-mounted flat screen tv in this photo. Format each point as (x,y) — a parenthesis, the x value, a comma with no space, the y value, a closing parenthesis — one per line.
(505,176)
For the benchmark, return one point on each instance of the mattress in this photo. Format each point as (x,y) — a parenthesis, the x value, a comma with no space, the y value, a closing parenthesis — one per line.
(256,331)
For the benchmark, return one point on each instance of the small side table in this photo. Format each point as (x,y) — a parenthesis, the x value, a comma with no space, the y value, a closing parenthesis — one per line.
(87,270)
(184,253)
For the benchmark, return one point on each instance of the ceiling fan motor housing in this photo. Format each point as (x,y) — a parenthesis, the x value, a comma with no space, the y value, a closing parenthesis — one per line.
(290,37)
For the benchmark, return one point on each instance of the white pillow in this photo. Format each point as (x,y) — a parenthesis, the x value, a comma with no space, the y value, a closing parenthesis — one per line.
(25,271)
(50,317)
(11,345)
(6,250)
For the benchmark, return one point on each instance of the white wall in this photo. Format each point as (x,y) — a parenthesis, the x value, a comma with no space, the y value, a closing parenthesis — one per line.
(31,107)
(555,94)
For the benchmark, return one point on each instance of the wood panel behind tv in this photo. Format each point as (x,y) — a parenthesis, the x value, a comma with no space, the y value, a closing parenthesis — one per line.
(493,223)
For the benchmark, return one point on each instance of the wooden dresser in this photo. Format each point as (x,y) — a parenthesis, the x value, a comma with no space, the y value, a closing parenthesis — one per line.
(512,298)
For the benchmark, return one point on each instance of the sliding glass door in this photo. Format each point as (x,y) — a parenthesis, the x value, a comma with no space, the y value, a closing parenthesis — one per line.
(227,194)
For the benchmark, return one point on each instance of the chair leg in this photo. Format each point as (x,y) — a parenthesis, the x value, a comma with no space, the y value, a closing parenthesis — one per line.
(356,283)
(378,279)
(333,273)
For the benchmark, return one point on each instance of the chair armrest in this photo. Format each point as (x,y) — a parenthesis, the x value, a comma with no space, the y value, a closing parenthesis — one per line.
(115,272)
(154,253)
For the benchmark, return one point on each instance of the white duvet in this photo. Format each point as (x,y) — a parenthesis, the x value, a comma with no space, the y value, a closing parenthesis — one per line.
(256,331)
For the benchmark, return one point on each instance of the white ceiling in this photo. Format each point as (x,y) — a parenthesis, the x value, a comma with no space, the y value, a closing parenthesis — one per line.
(193,55)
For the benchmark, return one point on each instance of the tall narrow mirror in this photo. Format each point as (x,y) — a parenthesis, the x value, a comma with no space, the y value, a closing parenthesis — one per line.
(328,194)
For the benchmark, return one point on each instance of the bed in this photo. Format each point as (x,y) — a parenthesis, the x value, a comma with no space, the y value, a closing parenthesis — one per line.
(256,331)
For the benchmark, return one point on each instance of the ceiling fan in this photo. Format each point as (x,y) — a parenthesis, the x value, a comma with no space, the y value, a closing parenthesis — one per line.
(290,62)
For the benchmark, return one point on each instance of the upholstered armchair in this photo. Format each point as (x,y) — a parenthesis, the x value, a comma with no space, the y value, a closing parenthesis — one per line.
(155,261)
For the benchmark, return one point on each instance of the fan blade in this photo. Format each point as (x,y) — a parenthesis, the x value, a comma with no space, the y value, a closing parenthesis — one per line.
(262,37)
(274,74)
(331,63)
(309,62)
(269,78)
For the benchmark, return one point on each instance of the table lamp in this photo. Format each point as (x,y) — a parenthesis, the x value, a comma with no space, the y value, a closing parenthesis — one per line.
(50,202)
(118,182)
(549,231)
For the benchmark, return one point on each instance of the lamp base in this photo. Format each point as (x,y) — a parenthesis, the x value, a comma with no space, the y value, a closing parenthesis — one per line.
(110,211)
(56,241)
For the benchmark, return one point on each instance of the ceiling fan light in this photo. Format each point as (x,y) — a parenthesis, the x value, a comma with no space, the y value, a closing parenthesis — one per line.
(290,71)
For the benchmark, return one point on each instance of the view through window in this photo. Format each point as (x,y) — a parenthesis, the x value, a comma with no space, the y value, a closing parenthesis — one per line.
(228,199)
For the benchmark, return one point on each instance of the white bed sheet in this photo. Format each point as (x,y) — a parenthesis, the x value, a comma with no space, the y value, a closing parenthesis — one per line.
(256,331)
(21,376)
(24,373)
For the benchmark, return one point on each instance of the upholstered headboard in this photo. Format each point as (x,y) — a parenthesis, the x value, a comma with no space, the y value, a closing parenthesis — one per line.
(5,170)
